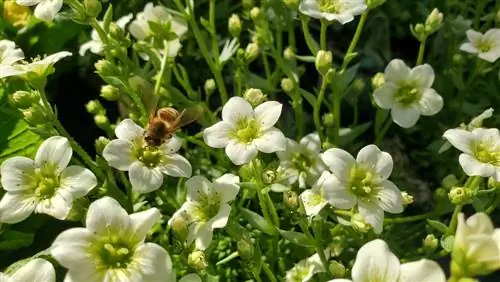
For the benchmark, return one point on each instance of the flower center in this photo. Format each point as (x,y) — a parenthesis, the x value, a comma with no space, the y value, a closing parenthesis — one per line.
(114,252)
(484,45)
(246,130)
(301,161)
(361,182)
(149,156)
(486,153)
(47,181)
(301,270)
(407,94)
(331,6)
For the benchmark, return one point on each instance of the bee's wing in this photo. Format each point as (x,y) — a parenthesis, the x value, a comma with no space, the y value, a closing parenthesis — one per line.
(188,115)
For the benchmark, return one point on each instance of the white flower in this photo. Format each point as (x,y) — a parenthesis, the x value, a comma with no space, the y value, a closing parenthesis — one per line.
(376,262)
(38,67)
(305,269)
(481,150)
(342,11)
(111,247)
(476,249)
(95,44)
(9,55)
(145,164)
(478,120)
(244,131)
(487,45)
(46,185)
(301,160)
(46,10)
(206,207)
(362,182)
(408,93)
(313,199)
(230,47)
(36,270)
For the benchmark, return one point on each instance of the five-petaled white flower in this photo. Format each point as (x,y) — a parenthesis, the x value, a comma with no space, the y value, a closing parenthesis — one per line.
(244,131)
(36,270)
(362,182)
(305,269)
(314,198)
(9,55)
(95,44)
(38,68)
(408,93)
(486,45)
(145,164)
(111,247)
(481,150)
(46,10)
(342,11)
(206,207)
(46,185)
(300,161)
(376,262)
(476,249)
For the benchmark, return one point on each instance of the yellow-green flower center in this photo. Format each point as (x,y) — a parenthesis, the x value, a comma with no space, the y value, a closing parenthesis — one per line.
(486,153)
(47,181)
(149,156)
(301,161)
(361,182)
(114,252)
(208,208)
(246,130)
(407,94)
(315,199)
(331,6)
(484,45)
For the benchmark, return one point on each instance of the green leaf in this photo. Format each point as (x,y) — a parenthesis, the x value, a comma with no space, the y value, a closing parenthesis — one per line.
(258,222)
(350,135)
(439,226)
(256,259)
(447,242)
(297,238)
(310,98)
(255,81)
(344,79)
(13,240)
(108,18)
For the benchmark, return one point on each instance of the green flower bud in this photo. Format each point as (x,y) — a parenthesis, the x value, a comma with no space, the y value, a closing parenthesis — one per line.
(36,115)
(359,223)
(255,14)
(434,21)
(105,68)
(109,92)
(330,75)
(458,59)
(100,144)
(252,52)
(254,96)
(292,4)
(94,107)
(329,119)
(101,121)
(179,226)
(323,61)
(449,181)
(337,269)
(327,145)
(419,28)
(116,32)
(210,86)
(289,53)
(268,177)
(378,80)
(287,85)
(407,198)
(24,99)
(291,200)
(430,243)
(247,4)
(197,260)
(78,210)
(234,25)
(245,248)
(92,8)
(372,4)
(459,195)
(337,245)
(440,193)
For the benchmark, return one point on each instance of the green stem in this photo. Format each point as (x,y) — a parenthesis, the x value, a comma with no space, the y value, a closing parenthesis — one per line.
(380,135)
(337,112)
(162,71)
(269,272)
(410,218)
(317,107)
(324,26)
(128,188)
(355,39)
(421,51)
(267,70)
(272,210)
(454,219)
(311,44)
(264,208)
(321,253)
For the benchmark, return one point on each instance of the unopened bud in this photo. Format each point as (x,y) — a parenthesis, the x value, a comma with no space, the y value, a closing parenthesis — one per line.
(101,121)
(109,92)
(359,223)
(292,4)
(101,143)
(234,25)
(36,115)
(105,68)
(329,119)
(116,32)
(245,248)
(459,195)
(197,260)
(449,181)
(268,177)
(92,8)
(434,21)
(477,121)
(440,193)
(430,243)
(419,28)
(458,59)
(255,14)
(337,269)
(210,86)
(254,96)
(252,51)
(287,85)
(24,99)
(247,4)
(323,61)
(407,198)
(289,53)
(94,107)
(179,225)
(378,80)
(330,75)
(291,200)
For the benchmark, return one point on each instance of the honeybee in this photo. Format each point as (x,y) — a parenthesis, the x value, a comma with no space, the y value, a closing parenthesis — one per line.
(165,121)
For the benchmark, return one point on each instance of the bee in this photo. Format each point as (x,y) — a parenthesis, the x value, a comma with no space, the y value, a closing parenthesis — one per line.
(165,121)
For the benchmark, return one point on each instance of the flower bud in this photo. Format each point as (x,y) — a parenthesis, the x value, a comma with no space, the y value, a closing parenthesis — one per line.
(323,61)
(252,52)
(24,99)
(337,245)
(94,107)
(291,200)
(36,115)
(449,181)
(430,243)
(337,269)
(289,53)
(245,248)
(458,59)
(92,8)
(234,25)
(459,195)
(359,223)
(197,260)
(330,75)
(419,28)
(116,32)
(210,86)
(329,119)
(477,121)
(101,121)
(105,68)
(101,143)
(407,198)
(440,193)
(268,177)
(179,225)
(255,14)
(378,80)
(287,85)
(254,96)
(372,4)
(434,21)
(109,92)
(247,4)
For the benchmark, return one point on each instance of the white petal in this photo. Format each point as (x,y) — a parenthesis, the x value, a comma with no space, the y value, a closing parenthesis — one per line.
(54,151)
(421,270)
(18,174)
(84,273)
(54,58)
(124,20)
(469,48)
(240,153)
(236,109)
(6,71)
(378,162)
(292,147)
(313,202)
(176,166)
(143,221)
(16,207)
(373,214)
(226,187)
(473,167)
(94,46)
(405,117)
(491,56)
(36,270)
(28,2)
(423,75)
(154,263)
(217,135)
(198,187)
(145,179)
(46,10)
(106,216)
(390,198)
(311,143)
(488,135)
(172,145)
(139,29)
(78,181)
(460,139)
(384,95)
(221,218)
(375,262)
(339,162)
(118,154)
(129,130)
(396,71)
(204,234)
(474,36)
(57,206)
(268,113)
(431,103)
(336,192)
(71,248)
(272,140)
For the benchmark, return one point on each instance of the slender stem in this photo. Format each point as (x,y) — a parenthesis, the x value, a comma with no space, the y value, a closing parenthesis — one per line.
(421,51)
(272,210)
(410,218)
(494,205)
(321,253)
(317,107)
(162,71)
(355,40)
(337,99)
(264,208)
(269,272)
(128,188)
(267,69)
(454,219)
(311,44)
(324,25)
(380,135)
